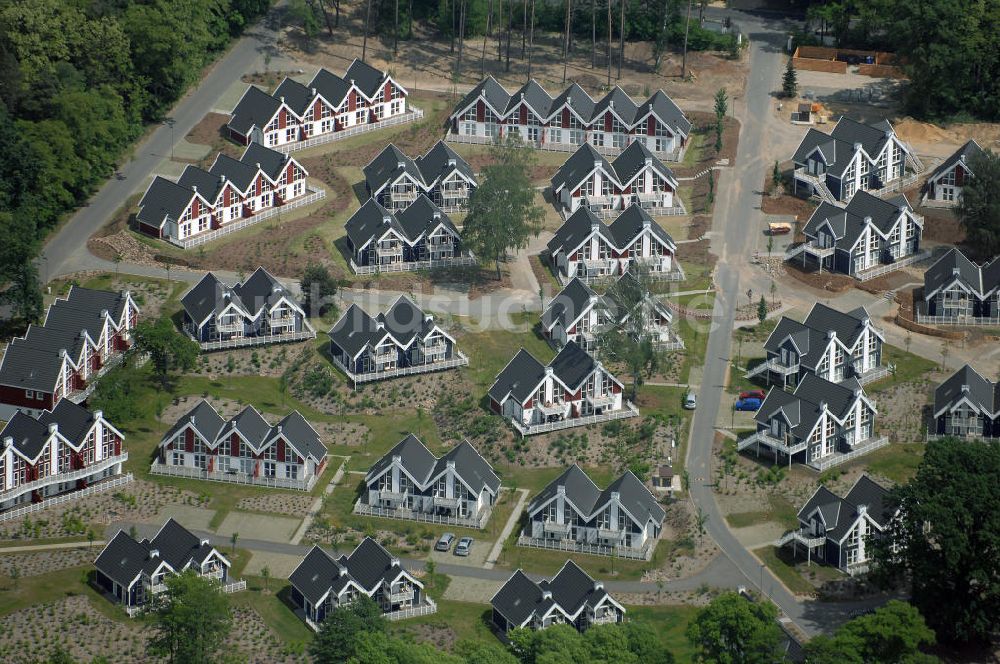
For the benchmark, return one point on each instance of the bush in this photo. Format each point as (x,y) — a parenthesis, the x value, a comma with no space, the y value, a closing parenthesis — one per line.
(317,381)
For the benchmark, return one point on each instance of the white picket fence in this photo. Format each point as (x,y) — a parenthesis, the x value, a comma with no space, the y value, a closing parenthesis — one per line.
(422,610)
(240,224)
(412,266)
(460,361)
(879,270)
(628,410)
(970,321)
(412,515)
(411,115)
(66,497)
(261,340)
(606,150)
(572,546)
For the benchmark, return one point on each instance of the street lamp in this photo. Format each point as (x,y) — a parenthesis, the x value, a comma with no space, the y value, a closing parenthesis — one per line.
(170,122)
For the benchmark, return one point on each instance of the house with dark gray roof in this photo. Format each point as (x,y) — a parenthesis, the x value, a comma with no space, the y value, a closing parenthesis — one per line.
(821,424)
(399,342)
(258,310)
(59,451)
(83,335)
(572,390)
(571,597)
(243,449)
(842,531)
(323,582)
(419,237)
(410,482)
(586,248)
(967,405)
(831,344)
(636,177)
(133,572)
(944,185)
(958,291)
(442,175)
(579,314)
(853,157)
(862,236)
(328,107)
(232,190)
(573,514)
(570,119)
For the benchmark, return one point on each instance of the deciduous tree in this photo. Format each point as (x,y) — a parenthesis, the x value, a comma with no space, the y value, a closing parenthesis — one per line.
(979,205)
(945,539)
(318,288)
(735,630)
(167,348)
(503,215)
(190,621)
(337,637)
(893,634)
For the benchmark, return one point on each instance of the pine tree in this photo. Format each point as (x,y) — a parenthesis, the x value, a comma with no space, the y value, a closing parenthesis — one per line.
(789,83)
(762,309)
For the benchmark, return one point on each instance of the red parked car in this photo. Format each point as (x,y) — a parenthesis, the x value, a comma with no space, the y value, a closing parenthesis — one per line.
(753,394)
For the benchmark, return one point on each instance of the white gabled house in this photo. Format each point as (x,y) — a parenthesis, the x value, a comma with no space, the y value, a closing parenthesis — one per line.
(442,175)
(840,531)
(571,119)
(322,583)
(399,342)
(327,105)
(958,291)
(967,406)
(572,390)
(409,482)
(572,513)
(571,597)
(944,186)
(821,424)
(635,177)
(133,572)
(585,247)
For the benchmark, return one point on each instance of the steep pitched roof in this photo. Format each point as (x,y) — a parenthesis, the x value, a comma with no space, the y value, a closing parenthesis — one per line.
(420,217)
(28,435)
(355,330)
(163,199)
(838,147)
(242,175)
(839,514)
(634,158)
(493,92)
(573,365)
(572,233)
(96,300)
(618,101)
(571,589)
(255,109)
(295,95)
(578,166)
(439,161)
(251,425)
(969,384)
(965,154)
(73,420)
(535,96)
(588,497)
(951,266)
(569,304)
(333,88)
(413,455)
(668,111)
(848,222)
(404,320)
(301,435)
(631,222)
(803,407)
(201,181)
(203,298)
(388,165)
(29,367)
(202,417)
(317,574)
(518,598)
(271,161)
(848,325)
(423,466)
(367,78)
(123,559)
(519,378)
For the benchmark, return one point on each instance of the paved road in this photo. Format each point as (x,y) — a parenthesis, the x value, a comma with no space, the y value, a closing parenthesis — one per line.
(66,251)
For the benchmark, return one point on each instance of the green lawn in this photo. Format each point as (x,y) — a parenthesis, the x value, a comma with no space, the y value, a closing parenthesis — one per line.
(779,509)
(908,367)
(897,462)
(490,350)
(466,619)
(272,608)
(669,623)
(779,562)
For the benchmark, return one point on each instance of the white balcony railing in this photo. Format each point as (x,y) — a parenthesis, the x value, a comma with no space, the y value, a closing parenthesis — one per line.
(60,478)
(261,339)
(788,446)
(106,485)
(459,360)
(601,400)
(402,596)
(627,410)
(445,502)
(422,610)
(410,115)
(233,477)
(471,521)
(411,266)
(557,528)
(551,408)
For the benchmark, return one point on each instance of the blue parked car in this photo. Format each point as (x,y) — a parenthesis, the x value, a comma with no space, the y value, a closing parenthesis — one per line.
(748,403)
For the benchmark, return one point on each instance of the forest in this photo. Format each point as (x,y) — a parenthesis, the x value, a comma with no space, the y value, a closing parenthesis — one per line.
(951,49)
(79,81)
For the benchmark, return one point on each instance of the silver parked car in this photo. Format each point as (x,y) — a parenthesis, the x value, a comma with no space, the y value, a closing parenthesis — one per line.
(463,547)
(444,543)
(690,401)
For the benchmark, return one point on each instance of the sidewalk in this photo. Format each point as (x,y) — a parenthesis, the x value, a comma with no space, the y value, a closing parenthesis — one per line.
(491,559)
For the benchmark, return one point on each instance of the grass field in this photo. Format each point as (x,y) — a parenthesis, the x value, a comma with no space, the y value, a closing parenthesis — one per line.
(780,510)
(909,367)
(791,574)
(669,623)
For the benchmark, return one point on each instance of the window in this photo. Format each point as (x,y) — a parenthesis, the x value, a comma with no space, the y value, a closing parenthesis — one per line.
(225,448)
(325,126)
(395,108)
(269,468)
(290,456)
(178,459)
(292,472)
(470,114)
(359,117)
(555,135)
(200,461)
(289,134)
(272,139)
(29,394)
(325,112)
(107,443)
(271,453)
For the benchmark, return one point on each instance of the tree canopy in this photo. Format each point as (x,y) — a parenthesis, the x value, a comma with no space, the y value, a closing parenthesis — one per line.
(893,634)
(502,210)
(191,620)
(167,348)
(979,205)
(734,630)
(945,540)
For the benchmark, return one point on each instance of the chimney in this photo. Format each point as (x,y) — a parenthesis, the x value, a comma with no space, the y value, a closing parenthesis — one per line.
(593,299)
(548,371)
(649,161)
(452,163)
(561,489)
(313,91)
(569,100)
(598,585)
(63,353)
(258,165)
(645,222)
(279,429)
(154,553)
(822,405)
(868,220)
(436,215)
(857,146)
(965,389)
(611,104)
(222,178)
(394,562)
(397,458)
(194,188)
(282,99)
(380,325)
(862,510)
(955,271)
(597,163)
(98,414)
(352,81)
(888,133)
(204,542)
(400,165)
(342,571)
(546,595)
(8,441)
(595,227)
(522,95)
(857,392)
(615,495)
(451,464)
(386,220)
(428,318)
(192,421)
(831,334)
